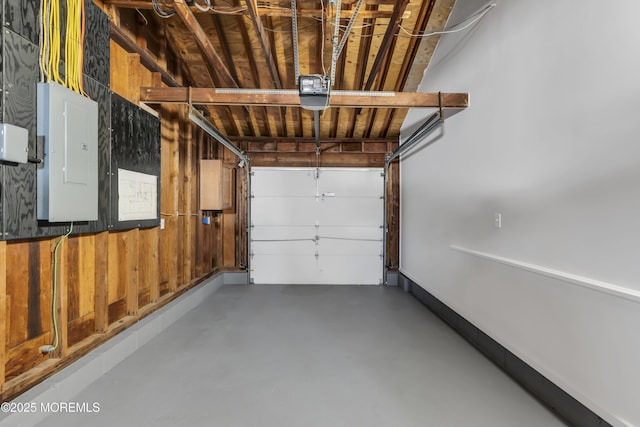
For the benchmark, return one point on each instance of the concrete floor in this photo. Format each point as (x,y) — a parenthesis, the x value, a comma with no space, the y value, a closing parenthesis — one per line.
(307,356)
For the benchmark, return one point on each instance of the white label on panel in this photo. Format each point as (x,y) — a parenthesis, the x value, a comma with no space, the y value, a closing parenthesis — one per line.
(137,196)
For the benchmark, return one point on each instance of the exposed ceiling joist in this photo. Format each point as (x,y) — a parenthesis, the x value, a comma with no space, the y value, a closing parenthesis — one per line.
(396,18)
(265,45)
(218,70)
(261,10)
(209,96)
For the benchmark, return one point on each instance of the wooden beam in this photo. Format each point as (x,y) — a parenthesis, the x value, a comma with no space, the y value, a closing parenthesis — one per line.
(389,35)
(262,10)
(218,70)
(146,59)
(265,45)
(209,96)
(276,140)
(333,159)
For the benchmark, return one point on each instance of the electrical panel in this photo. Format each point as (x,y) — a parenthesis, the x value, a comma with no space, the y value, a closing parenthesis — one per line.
(68,181)
(14,143)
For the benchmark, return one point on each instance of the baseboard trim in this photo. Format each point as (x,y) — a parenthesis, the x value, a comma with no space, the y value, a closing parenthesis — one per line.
(545,391)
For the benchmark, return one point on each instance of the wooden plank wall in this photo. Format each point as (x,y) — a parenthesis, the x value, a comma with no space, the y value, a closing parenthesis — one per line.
(109,280)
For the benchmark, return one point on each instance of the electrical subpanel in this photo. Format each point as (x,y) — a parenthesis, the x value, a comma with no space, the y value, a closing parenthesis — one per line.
(68,181)
(14,143)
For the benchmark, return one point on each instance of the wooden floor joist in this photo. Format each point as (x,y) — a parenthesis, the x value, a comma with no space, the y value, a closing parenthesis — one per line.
(209,96)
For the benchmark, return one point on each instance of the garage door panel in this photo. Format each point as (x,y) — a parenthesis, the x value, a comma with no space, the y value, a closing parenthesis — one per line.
(293,211)
(364,212)
(285,247)
(348,247)
(351,232)
(355,270)
(346,220)
(276,269)
(350,183)
(283,182)
(306,269)
(282,232)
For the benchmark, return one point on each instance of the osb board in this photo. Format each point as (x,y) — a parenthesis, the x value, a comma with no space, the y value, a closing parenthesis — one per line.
(102,96)
(135,146)
(21,17)
(20,59)
(21,72)
(96,45)
(437,22)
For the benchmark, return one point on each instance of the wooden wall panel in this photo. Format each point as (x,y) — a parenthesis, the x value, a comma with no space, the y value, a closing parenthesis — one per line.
(131,271)
(108,279)
(229,235)
(87,273)
(72,280)
(61,295)
(101,283)
(18,293)
(46,286)
(169,208)
(3,312)
(118,276)
(144,268)
(393,217)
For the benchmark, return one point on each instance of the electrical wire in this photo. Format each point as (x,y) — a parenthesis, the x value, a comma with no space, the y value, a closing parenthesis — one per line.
(161,12)
(42,38)
(56,341)
(230,11)
(146,22)
(324,70)
(203,8)
(476,17)
(50,44)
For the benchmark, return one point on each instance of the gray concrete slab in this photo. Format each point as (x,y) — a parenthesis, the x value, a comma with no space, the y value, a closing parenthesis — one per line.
(306,356)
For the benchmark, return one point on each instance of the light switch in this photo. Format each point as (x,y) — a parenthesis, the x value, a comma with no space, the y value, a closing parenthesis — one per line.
(497,220)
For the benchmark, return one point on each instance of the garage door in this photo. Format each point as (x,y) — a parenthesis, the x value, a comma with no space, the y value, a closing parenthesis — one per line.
(316,226)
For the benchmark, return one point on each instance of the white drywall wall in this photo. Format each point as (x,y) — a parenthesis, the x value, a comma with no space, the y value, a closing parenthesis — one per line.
(551,141)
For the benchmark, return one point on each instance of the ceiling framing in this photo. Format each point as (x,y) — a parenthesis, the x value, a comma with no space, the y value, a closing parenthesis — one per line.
(248,44)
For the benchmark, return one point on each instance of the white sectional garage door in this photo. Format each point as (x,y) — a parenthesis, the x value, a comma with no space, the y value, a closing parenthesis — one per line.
(324,229)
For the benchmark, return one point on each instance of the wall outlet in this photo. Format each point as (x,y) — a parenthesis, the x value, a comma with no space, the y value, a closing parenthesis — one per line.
(497,220)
